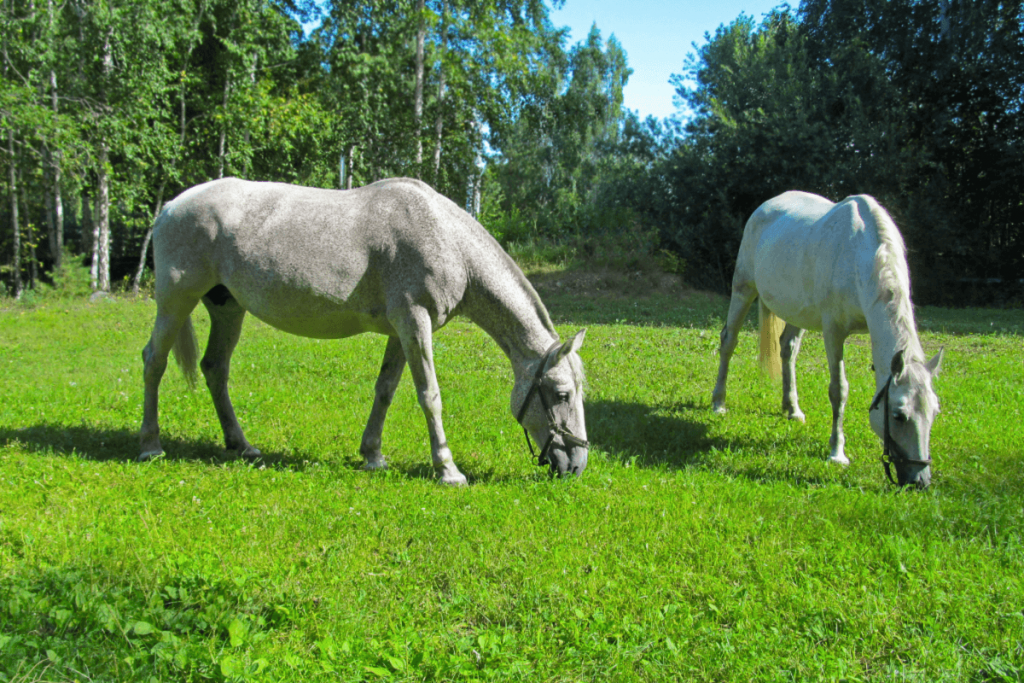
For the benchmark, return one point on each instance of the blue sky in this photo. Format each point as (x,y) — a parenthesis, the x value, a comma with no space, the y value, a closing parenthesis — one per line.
(656,35)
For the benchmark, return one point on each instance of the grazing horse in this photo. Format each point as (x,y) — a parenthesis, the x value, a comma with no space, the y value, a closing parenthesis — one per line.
(395,258)
(839,268)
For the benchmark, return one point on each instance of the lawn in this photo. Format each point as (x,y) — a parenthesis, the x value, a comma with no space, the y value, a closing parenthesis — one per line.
(695,547)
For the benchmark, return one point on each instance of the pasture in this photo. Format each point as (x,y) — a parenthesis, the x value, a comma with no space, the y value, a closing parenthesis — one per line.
(695,547)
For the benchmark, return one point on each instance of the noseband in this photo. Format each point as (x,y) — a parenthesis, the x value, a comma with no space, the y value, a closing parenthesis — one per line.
(568,437)
(892,452)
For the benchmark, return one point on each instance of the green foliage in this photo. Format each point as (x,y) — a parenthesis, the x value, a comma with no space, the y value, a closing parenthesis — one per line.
(846,98)
(917,103)
(696,546)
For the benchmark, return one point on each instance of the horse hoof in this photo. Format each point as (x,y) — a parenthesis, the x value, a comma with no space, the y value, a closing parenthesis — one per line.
(146,456)
(373,465)
(719,409)
(458,479)
(839,459)
(798,416)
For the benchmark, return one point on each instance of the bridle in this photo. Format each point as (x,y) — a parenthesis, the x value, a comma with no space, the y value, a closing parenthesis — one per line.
(892,452)
(568,438)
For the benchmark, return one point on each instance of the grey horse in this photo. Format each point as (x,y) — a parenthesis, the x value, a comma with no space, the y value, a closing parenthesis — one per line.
(395,258)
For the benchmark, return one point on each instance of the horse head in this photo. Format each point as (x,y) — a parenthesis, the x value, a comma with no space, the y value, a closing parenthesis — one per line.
(548,402)
(902,415)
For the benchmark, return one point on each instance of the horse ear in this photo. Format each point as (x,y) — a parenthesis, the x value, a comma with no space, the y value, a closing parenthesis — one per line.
(936,362)
(568,347)
(898,364)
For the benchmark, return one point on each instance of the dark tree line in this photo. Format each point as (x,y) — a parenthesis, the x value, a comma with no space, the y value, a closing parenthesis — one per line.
(919,103)
(110,107)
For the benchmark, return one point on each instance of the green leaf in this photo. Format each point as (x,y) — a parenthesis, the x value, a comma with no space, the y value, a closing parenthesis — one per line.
(142,628)
(237,630)
(230,667)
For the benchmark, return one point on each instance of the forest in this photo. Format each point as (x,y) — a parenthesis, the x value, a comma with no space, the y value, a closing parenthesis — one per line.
(109,108)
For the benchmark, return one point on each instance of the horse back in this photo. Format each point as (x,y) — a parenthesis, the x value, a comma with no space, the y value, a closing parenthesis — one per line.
(312,261)
(812,260)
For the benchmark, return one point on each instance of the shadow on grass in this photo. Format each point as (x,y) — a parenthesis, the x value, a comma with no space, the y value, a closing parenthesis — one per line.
(120,445)
(102,445)
(654,436)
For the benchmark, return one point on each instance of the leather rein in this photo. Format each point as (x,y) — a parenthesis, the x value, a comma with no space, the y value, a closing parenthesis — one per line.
(568,438)
(892,452)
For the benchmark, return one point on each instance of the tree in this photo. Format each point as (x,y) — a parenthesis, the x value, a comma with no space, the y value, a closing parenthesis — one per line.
(552,156)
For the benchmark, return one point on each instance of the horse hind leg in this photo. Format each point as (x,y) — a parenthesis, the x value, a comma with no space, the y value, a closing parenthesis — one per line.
(226,317)
(172,329)
(743,296)
(789,343)
(384,391)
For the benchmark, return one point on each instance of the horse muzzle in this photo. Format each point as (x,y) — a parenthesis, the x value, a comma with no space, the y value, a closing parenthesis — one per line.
(566,459)
(918,476)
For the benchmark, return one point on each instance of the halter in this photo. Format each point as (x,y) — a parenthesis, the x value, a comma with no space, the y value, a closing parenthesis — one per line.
(892,452)
(555,428)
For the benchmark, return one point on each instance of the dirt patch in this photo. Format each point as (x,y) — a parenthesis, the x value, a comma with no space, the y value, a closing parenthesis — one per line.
(605,283)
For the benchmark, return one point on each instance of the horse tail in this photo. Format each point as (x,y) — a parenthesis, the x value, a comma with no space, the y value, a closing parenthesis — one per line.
(771,329)
(186,352)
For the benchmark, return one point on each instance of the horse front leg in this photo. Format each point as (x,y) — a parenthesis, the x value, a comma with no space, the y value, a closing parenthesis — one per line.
(742,296)
(838,389)
(384,391)
(789,343)
(415,330)
(226,320)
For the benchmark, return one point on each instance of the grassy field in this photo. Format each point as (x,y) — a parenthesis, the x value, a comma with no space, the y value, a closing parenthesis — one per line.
(695,547)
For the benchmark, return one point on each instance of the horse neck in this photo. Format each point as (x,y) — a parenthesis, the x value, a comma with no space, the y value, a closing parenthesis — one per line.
(892,328)
(505,306)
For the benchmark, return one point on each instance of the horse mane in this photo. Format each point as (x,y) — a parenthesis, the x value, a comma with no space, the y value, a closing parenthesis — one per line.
(892,276)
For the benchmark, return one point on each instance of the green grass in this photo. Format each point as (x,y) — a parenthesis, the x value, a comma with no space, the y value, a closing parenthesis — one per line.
(695,547)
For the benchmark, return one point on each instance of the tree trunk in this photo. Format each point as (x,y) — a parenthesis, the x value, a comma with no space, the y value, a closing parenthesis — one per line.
(101,245)
(148,237)
(439,125)
(221,146)
(15,227)
(33,263)
(351,159)
(56,224)
(85,240)
(421,34)
(102,230)
(94,265)
(247,134)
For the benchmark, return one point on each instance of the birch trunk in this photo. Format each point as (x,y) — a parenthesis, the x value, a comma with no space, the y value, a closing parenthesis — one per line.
(439,124)
(148,237)
(103,218)
(351,159)
(221,146)
(15,227)
(101,245)
(56,224)
(33,263)
(421,34)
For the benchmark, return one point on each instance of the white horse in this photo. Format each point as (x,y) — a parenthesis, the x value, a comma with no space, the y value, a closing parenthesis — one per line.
(839,268)
(393,257)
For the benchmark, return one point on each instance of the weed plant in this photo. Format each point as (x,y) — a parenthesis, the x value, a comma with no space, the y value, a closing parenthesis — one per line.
(695,547)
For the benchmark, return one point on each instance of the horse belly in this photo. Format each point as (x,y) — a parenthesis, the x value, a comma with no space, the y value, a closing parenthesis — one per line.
(343,312)
(328,326)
